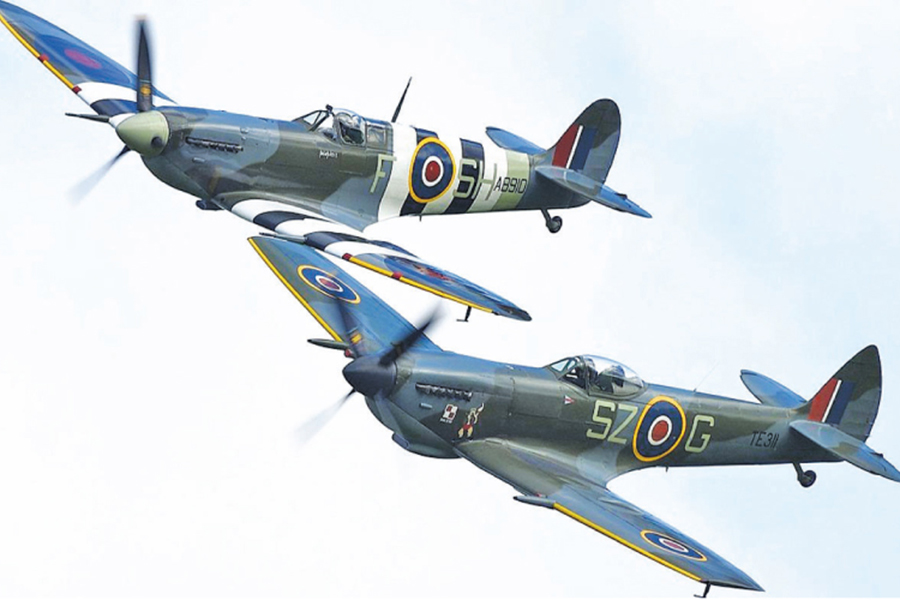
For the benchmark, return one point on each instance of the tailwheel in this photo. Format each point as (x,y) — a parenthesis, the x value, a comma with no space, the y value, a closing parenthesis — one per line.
(806,478)
(554,224)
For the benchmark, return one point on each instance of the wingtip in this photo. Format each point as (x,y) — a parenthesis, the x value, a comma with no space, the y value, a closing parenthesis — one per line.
(638,211)
(890,471)
(744,583)
(514,312)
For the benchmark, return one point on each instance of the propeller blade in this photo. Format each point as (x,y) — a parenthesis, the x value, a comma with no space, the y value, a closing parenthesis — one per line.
(313,426)
(400,104)
(349,334)
(406,343)
(144,71)
(80,191)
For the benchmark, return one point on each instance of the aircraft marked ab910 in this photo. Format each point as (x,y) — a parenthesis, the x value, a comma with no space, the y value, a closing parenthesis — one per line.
(334,165)
(559,434)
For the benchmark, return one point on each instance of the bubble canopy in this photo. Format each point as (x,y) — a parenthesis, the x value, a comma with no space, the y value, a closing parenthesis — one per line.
(598,375)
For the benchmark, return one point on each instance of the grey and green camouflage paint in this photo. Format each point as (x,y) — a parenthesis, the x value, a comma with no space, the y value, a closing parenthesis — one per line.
(334,165)
(559,434)
(275,172)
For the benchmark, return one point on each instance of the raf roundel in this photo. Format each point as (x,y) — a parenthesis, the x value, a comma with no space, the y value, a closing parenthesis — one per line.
(327,284)
(82,58)
(431,171)
(672,545)
(659,429)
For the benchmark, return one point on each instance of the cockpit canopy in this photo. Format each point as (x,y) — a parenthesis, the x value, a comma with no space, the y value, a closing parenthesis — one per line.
(347,127)
(350,127)
(598,375)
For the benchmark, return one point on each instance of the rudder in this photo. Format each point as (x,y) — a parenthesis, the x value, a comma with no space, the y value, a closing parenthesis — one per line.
(849,400)
(589,145)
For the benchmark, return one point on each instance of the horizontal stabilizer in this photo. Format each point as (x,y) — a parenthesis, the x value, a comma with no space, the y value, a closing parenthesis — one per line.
(393,261)
(511,141)
(590,189)
(770,392)
(846,447)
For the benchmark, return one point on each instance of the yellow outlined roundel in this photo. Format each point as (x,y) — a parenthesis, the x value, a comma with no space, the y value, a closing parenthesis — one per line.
(637,429)
(327,284)
(431,152)
(673,545)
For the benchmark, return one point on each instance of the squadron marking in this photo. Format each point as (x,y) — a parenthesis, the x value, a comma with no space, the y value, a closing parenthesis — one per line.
(659,429)
(672,545)
(327,284)
(431,171)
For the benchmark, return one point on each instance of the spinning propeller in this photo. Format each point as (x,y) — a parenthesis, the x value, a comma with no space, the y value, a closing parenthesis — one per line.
(146,132)
(367,374)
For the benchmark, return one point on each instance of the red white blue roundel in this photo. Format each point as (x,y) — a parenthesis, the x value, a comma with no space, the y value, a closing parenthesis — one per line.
(672,545)
(75,56)
(659,429)
(431,170)
(327,284)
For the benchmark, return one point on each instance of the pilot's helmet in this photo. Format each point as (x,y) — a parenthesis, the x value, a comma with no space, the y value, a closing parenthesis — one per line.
(350,126)
(616,373)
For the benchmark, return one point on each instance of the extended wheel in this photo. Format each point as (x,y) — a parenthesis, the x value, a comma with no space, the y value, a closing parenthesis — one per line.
(807,479)
(554,224)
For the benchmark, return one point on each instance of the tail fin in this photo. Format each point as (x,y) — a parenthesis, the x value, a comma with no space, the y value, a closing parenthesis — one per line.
(849,400)
(840,416)
(589,145)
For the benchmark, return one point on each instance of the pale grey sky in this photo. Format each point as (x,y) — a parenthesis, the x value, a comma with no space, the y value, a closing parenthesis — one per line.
(154,372)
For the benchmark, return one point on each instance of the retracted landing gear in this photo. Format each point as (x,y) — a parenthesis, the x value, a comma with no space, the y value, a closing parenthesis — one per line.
(554,224)
(705,591)
(806,478)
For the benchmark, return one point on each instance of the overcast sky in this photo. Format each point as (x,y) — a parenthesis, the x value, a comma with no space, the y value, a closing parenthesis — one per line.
(154,373)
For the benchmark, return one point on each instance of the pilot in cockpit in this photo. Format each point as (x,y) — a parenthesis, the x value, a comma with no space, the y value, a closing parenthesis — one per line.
(343,125)
(598,375)
(349,127)
(613,375)
(576,375)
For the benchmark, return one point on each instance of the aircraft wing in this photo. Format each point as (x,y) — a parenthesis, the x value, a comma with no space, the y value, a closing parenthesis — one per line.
(554,480)
(320,285)
(297,224)
(395,262)
(105,85)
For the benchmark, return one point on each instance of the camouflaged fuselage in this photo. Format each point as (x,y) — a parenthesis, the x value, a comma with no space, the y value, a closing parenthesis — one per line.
(227,159)
(441,394)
